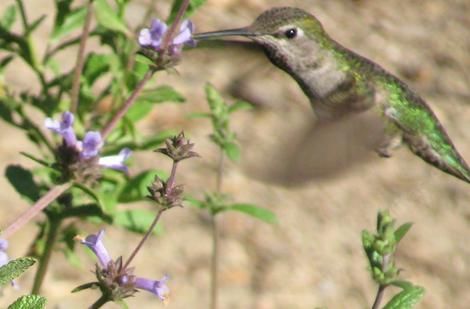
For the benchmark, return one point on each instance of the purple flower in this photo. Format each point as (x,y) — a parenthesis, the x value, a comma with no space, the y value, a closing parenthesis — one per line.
(153,36)
(63,127)
(116,162)
(91,145)
(96,245)
(157,287)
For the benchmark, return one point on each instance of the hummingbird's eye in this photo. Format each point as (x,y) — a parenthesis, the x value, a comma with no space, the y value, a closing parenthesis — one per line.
(291,33)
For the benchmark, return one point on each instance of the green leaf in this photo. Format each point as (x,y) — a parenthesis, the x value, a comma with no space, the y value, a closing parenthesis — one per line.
(192,7)
(195,202)
(406,299)
(252,210)
(9,17)
(239,105)
(149,97)
(91,193)
(143,60)
(107,17)
(405,285)
(161,94)
(136,188)
(23,182)
(232,151)
(136,220)
(35,159)
(95,66)
(72,21)
(14,269)
(402,230)
(89,285)
(29,302)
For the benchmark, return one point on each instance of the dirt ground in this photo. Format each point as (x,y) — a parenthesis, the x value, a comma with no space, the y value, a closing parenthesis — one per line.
(322,184)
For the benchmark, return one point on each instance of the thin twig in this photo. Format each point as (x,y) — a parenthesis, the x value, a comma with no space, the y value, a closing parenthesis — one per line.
(147,234)
(42,203)
(80,59)
(125,107)
(170,33)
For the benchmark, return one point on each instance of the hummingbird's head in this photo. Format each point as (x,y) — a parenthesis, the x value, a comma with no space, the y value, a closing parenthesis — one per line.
(288,35)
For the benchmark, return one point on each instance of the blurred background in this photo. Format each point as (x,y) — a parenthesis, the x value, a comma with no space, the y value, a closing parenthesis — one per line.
(324,185)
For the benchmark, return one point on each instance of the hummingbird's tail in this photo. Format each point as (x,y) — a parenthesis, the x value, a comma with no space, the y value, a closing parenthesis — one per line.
(445,156)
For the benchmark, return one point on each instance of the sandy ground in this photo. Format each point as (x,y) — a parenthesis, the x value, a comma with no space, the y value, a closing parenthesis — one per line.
(324,192)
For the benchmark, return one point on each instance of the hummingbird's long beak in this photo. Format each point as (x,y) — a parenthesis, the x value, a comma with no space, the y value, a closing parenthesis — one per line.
(222,33)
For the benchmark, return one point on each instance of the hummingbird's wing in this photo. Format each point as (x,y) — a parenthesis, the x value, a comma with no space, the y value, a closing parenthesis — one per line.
(422,131)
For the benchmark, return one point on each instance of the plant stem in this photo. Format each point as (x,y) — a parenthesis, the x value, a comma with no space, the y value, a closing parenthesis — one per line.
(170,33)
(54,225)
(42,203)
(214,263)
(125,107)
(171,180)
(215,238)
(74,93)
(147,234)
(378,296)
(24,19)
(100,302)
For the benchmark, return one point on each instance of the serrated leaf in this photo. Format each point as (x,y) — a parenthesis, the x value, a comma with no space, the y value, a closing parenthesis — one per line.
(72,21)
(406,299)
(107,17)
(239,105)
(192,7)
(23,182)
(254,211)
(9,17)
(136,188)
(136,220)
(14,269)
(232,151)
(402,230)
(29,302)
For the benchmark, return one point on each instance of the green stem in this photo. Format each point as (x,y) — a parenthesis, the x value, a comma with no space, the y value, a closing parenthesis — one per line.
(54,226)
(24,19)
(215,238)
(100,302)
(214,263)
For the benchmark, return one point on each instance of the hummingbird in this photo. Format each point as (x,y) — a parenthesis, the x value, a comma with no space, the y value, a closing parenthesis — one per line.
(340,82)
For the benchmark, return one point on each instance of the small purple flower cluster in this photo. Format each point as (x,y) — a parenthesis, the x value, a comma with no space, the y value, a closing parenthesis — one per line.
(153,37)
(111,273)
(89,148)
